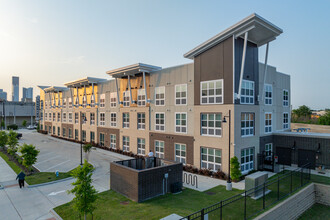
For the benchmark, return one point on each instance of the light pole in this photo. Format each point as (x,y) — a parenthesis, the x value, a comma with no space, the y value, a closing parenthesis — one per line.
(229,184)
(82,119)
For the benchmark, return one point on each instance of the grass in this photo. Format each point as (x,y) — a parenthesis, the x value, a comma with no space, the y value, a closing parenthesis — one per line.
(316,212)
(12,164)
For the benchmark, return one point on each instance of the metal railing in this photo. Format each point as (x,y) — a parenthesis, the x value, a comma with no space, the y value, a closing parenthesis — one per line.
(242,206)
(190,179)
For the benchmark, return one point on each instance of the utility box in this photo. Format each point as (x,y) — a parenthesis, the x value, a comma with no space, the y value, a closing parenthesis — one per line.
(256,181)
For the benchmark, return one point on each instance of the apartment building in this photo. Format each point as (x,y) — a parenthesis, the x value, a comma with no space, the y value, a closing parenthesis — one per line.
(178,112)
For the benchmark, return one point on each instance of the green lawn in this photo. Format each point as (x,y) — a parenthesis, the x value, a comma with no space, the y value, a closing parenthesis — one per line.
(12,165)
(316,212)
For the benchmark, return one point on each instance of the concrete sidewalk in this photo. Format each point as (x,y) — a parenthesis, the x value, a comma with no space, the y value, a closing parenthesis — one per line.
(6,173)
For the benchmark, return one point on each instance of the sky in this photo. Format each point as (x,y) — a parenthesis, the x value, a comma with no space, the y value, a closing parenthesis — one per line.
(53,42)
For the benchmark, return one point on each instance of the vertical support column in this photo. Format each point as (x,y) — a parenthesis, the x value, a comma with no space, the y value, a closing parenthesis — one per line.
(71,98)
(145,85)
(84,97)
(242,65)
(130,91)
(93,96)
(117,92)
(77,98)
(265,73)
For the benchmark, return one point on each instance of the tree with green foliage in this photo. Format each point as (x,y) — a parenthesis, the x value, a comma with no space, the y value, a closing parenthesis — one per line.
(84,191)
(3,124)
(87,149)
(3,139)
(235,171)
(324,119)
(12,143)
(29,154)
(24,123)
(303,110)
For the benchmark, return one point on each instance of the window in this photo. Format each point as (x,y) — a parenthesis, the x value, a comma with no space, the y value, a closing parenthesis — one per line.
(113,99)
(63,132)
(141,98)
(160,95)
(247,158)
(102,119)
(58,131)
(101,139)
(46,116)
(83,136)
(76,118)
(70,103)
(268,122)
(141,148)
(211,92)
(285,120)
(92,138)
(41,116)
(102,100)
(141,121)
(247,124)
(50,129)
(70,117)
(181,122)
(268,94)
(285,97)
(113,141)
(53,116)
(126,98)
(76,135)
(181,94)
(125,143)
(159,149)
(70,133)
(113,119)
(160,122)
(83,118)
(58,116)
(50,116)
(92,100)
(84,101)
(210,158)
(64,103)
(268,151)
(211,124)
(247,92)
(92,118)
(64,117)
(180,153)
(125,120)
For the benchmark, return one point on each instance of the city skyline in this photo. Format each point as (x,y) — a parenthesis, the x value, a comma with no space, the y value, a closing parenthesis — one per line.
(47,49)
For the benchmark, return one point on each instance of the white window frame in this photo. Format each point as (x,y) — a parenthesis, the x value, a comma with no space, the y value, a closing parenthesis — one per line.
(92,102)
(126,142)
(76,118)
(126,119)
(268,94)
(181,100)
(63,132)
(285,98)
(247,97)
(64,103)
(159,100)
(70,102)
(83,135)
(247,130)
(140,124)
(159,149)
(247,164)
(102,140)
(113,140)
(214,96)
(84,101)
(70,117)
(141,146)
(180,153)
(113,119)
(102,119)
(285,120)
(92,118)
(64,117)
(83,116)
(58,116)
(54,116)
(92,137)
(126,98)
(113,99)
(102,100)
(268,150)
(158,126)
(179,128)
(207,128)
(209,154)
(140,100)
(268,123)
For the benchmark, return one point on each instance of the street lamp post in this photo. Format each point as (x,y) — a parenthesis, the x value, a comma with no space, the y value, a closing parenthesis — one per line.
(82,119)
(229,184)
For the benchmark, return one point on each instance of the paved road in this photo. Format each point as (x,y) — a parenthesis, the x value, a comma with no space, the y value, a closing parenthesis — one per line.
(55,154)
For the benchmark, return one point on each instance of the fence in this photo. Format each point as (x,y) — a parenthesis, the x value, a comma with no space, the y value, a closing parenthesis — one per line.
(241,206)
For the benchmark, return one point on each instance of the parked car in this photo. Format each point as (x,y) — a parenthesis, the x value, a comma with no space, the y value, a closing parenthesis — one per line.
(30,127)
(19,136)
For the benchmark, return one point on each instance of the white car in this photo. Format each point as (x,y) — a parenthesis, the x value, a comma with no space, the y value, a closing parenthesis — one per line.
(30,127)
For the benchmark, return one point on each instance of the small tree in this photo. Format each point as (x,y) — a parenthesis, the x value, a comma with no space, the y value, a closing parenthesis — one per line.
(235,171)
(29,154)
(87,149)
(12,143)
(24,123)
(3,124)
(3,139)
(84,191)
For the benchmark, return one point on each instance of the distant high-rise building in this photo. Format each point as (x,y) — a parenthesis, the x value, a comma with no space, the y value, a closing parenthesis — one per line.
(27,94)
(15,89)
(3,95)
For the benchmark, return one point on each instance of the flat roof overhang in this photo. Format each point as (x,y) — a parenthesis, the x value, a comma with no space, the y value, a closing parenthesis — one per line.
(132,70)
(54,89)
(84,82)
(260,32)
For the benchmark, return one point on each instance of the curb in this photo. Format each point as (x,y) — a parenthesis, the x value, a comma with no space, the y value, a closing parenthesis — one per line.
(52,211)
(48,183)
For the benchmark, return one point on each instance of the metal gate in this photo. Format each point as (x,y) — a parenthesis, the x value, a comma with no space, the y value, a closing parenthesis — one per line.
(284,155)
(306,157)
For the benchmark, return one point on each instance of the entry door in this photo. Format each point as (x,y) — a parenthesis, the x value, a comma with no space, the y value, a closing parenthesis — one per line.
(284,155)
(305,157)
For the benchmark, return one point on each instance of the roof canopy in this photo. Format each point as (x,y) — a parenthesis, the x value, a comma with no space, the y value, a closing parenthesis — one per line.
(84,82)
(53,89)
(260,32)
(132,70)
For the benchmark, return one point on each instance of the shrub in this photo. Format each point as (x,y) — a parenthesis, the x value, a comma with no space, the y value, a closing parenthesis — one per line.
(3,139)
(12,143)
(220,175)
(235,171)
(29,155)
(24,123)
(12,127)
